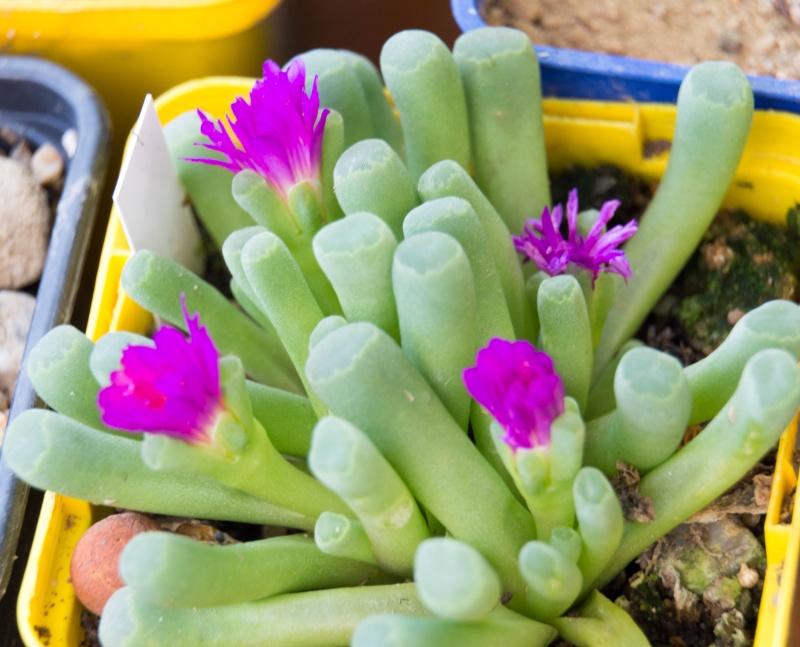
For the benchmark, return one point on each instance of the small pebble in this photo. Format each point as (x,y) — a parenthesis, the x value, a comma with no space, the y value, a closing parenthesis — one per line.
(24,226)
(203,532)
(69,141)
(8,136)
(766,7)
(553,22)
(612,11)
(529,11)
(614,46)
(659,10)
(21,153)
(47,165)
(734,315)
(764,44)
(747,577)
(16,312)
(93,568)
(730,41)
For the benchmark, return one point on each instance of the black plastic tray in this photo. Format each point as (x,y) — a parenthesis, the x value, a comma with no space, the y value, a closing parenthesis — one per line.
(41,101)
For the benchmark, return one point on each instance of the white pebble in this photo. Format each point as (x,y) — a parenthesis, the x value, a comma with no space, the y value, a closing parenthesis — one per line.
(69,141)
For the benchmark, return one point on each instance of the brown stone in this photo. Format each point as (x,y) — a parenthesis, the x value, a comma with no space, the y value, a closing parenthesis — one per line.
(93,568)
(47,164)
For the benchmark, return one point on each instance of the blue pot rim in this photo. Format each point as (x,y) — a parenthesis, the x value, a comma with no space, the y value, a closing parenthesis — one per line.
(574,74)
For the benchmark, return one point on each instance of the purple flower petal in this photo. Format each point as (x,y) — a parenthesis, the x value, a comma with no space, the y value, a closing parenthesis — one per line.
(518,386)
(543,243)
(279,131)
(172,389)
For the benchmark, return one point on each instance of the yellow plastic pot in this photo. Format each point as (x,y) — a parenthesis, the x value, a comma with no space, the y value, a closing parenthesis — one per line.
(127,48)
(767,184)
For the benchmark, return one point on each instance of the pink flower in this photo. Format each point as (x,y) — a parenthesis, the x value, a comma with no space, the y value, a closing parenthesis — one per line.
(543,243)
(517,385)
(172,389)
(280,130)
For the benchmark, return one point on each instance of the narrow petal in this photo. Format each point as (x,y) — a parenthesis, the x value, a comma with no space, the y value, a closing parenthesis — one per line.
(543,243)
(279,131)
(572,216)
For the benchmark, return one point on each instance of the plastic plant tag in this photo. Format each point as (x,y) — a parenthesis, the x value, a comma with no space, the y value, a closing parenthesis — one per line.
(153,208)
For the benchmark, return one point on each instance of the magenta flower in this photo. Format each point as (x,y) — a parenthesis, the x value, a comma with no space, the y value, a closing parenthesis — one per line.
(172,389)
(280,130)
(543,243)
(517,385)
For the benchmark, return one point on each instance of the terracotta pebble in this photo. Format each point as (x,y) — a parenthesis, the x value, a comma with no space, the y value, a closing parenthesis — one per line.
(93,568)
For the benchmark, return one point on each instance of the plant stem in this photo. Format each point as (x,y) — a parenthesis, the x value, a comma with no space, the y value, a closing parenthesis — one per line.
(554,581)
(156,283)
(715,108)
(171,570)
(565,333)
(314,619)
(448,179)
(58,368)
(281,291)
(337,535)
(53,452)
(454,580)
(601,623)
(500,73)
(423,79)
(364,377)
(345,461)
(356,255)
(767,397)
(501,627)
(370,176)
(436,304)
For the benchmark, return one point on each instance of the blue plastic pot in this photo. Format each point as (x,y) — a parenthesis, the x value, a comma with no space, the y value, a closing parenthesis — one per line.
(574,74)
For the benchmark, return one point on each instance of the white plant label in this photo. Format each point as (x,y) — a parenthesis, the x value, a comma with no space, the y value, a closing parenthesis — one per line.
(152,204)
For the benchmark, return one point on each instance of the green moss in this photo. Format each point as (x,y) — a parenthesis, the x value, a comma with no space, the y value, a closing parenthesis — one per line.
(730,589)
(740,264)
(646,598)
(697,570)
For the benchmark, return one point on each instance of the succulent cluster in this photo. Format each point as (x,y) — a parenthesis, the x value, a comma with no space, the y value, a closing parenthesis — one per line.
(437,418)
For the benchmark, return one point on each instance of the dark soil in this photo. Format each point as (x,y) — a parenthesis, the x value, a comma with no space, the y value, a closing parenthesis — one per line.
(90,623)
(739,265)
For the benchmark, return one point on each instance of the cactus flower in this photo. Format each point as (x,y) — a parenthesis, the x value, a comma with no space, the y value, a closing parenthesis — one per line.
(543,243)
(173,388)
(518,386)
(279,131)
